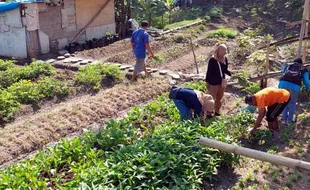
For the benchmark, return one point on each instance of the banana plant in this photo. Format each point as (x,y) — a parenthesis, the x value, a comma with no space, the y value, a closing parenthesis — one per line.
(170,5)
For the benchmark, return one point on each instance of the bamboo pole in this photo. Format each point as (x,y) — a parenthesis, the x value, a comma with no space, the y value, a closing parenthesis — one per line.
(284,41)
(258,155)
(303,26)
(261,77)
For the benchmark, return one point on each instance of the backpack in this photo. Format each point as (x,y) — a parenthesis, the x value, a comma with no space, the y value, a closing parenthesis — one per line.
(293,73)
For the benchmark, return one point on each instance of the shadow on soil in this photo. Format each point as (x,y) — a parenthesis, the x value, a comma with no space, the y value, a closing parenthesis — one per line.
(224,180)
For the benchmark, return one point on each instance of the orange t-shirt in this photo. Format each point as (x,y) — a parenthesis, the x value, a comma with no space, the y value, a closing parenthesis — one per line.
(269,96)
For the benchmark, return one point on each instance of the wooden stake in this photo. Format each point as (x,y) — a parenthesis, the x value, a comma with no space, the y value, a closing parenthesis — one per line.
(194,54)
(303,26)
(258,155)
(304,55)
(304,29)
(267,64)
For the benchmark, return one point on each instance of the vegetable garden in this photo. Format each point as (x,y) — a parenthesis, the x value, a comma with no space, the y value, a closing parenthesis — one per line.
(148,149)
(91,128)
(32,83)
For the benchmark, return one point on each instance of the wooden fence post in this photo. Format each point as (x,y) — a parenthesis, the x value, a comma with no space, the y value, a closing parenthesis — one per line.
(303,27)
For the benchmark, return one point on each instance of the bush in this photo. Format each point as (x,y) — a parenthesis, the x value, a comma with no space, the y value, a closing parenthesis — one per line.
(215,12)
(248,86)
(35,69)
(188,14)
(202,27)
(8,106)
(10,76)
(50,87)
(30,72)
(6,64)
(111,71)
(223,32)
(26,92)
(179,38)
(91,76)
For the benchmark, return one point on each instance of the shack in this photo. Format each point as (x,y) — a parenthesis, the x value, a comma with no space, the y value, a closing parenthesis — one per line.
(32,27)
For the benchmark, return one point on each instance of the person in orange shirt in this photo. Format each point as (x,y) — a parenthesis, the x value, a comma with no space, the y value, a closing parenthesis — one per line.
(275,100)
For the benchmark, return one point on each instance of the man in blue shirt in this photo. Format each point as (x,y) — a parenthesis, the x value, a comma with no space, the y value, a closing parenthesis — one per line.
(294,87)
(140,42)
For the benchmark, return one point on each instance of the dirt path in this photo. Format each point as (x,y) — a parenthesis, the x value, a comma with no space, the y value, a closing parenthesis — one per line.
(24,136)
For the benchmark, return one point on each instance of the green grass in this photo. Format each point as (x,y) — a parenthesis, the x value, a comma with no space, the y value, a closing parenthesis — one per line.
(180,24)
(223,32)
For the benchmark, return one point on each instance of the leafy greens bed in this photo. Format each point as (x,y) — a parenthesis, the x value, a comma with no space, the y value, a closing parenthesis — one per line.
(148,149)
(33,82)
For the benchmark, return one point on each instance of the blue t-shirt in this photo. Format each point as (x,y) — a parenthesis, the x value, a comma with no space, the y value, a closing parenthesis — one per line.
(189,97)
(139,38)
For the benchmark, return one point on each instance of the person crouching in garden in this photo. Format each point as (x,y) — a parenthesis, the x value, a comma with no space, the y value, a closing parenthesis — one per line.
(275,100)
(186,100)
(215,76)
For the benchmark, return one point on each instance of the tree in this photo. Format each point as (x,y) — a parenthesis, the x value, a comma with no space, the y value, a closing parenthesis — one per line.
(170,5)
(122,14)
(150,8)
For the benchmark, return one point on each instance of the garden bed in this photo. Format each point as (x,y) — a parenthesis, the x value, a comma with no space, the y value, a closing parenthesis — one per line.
(139,151)
(38,83)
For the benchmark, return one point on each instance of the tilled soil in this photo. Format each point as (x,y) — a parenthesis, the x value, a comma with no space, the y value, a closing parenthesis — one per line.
(34,132)
(106,51)
(127,57)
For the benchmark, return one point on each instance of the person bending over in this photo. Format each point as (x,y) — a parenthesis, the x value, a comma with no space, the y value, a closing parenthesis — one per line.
(275,100)
(186,100)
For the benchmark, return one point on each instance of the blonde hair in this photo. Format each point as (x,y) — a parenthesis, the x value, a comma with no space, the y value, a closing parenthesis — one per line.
(206,101)
(216,52)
